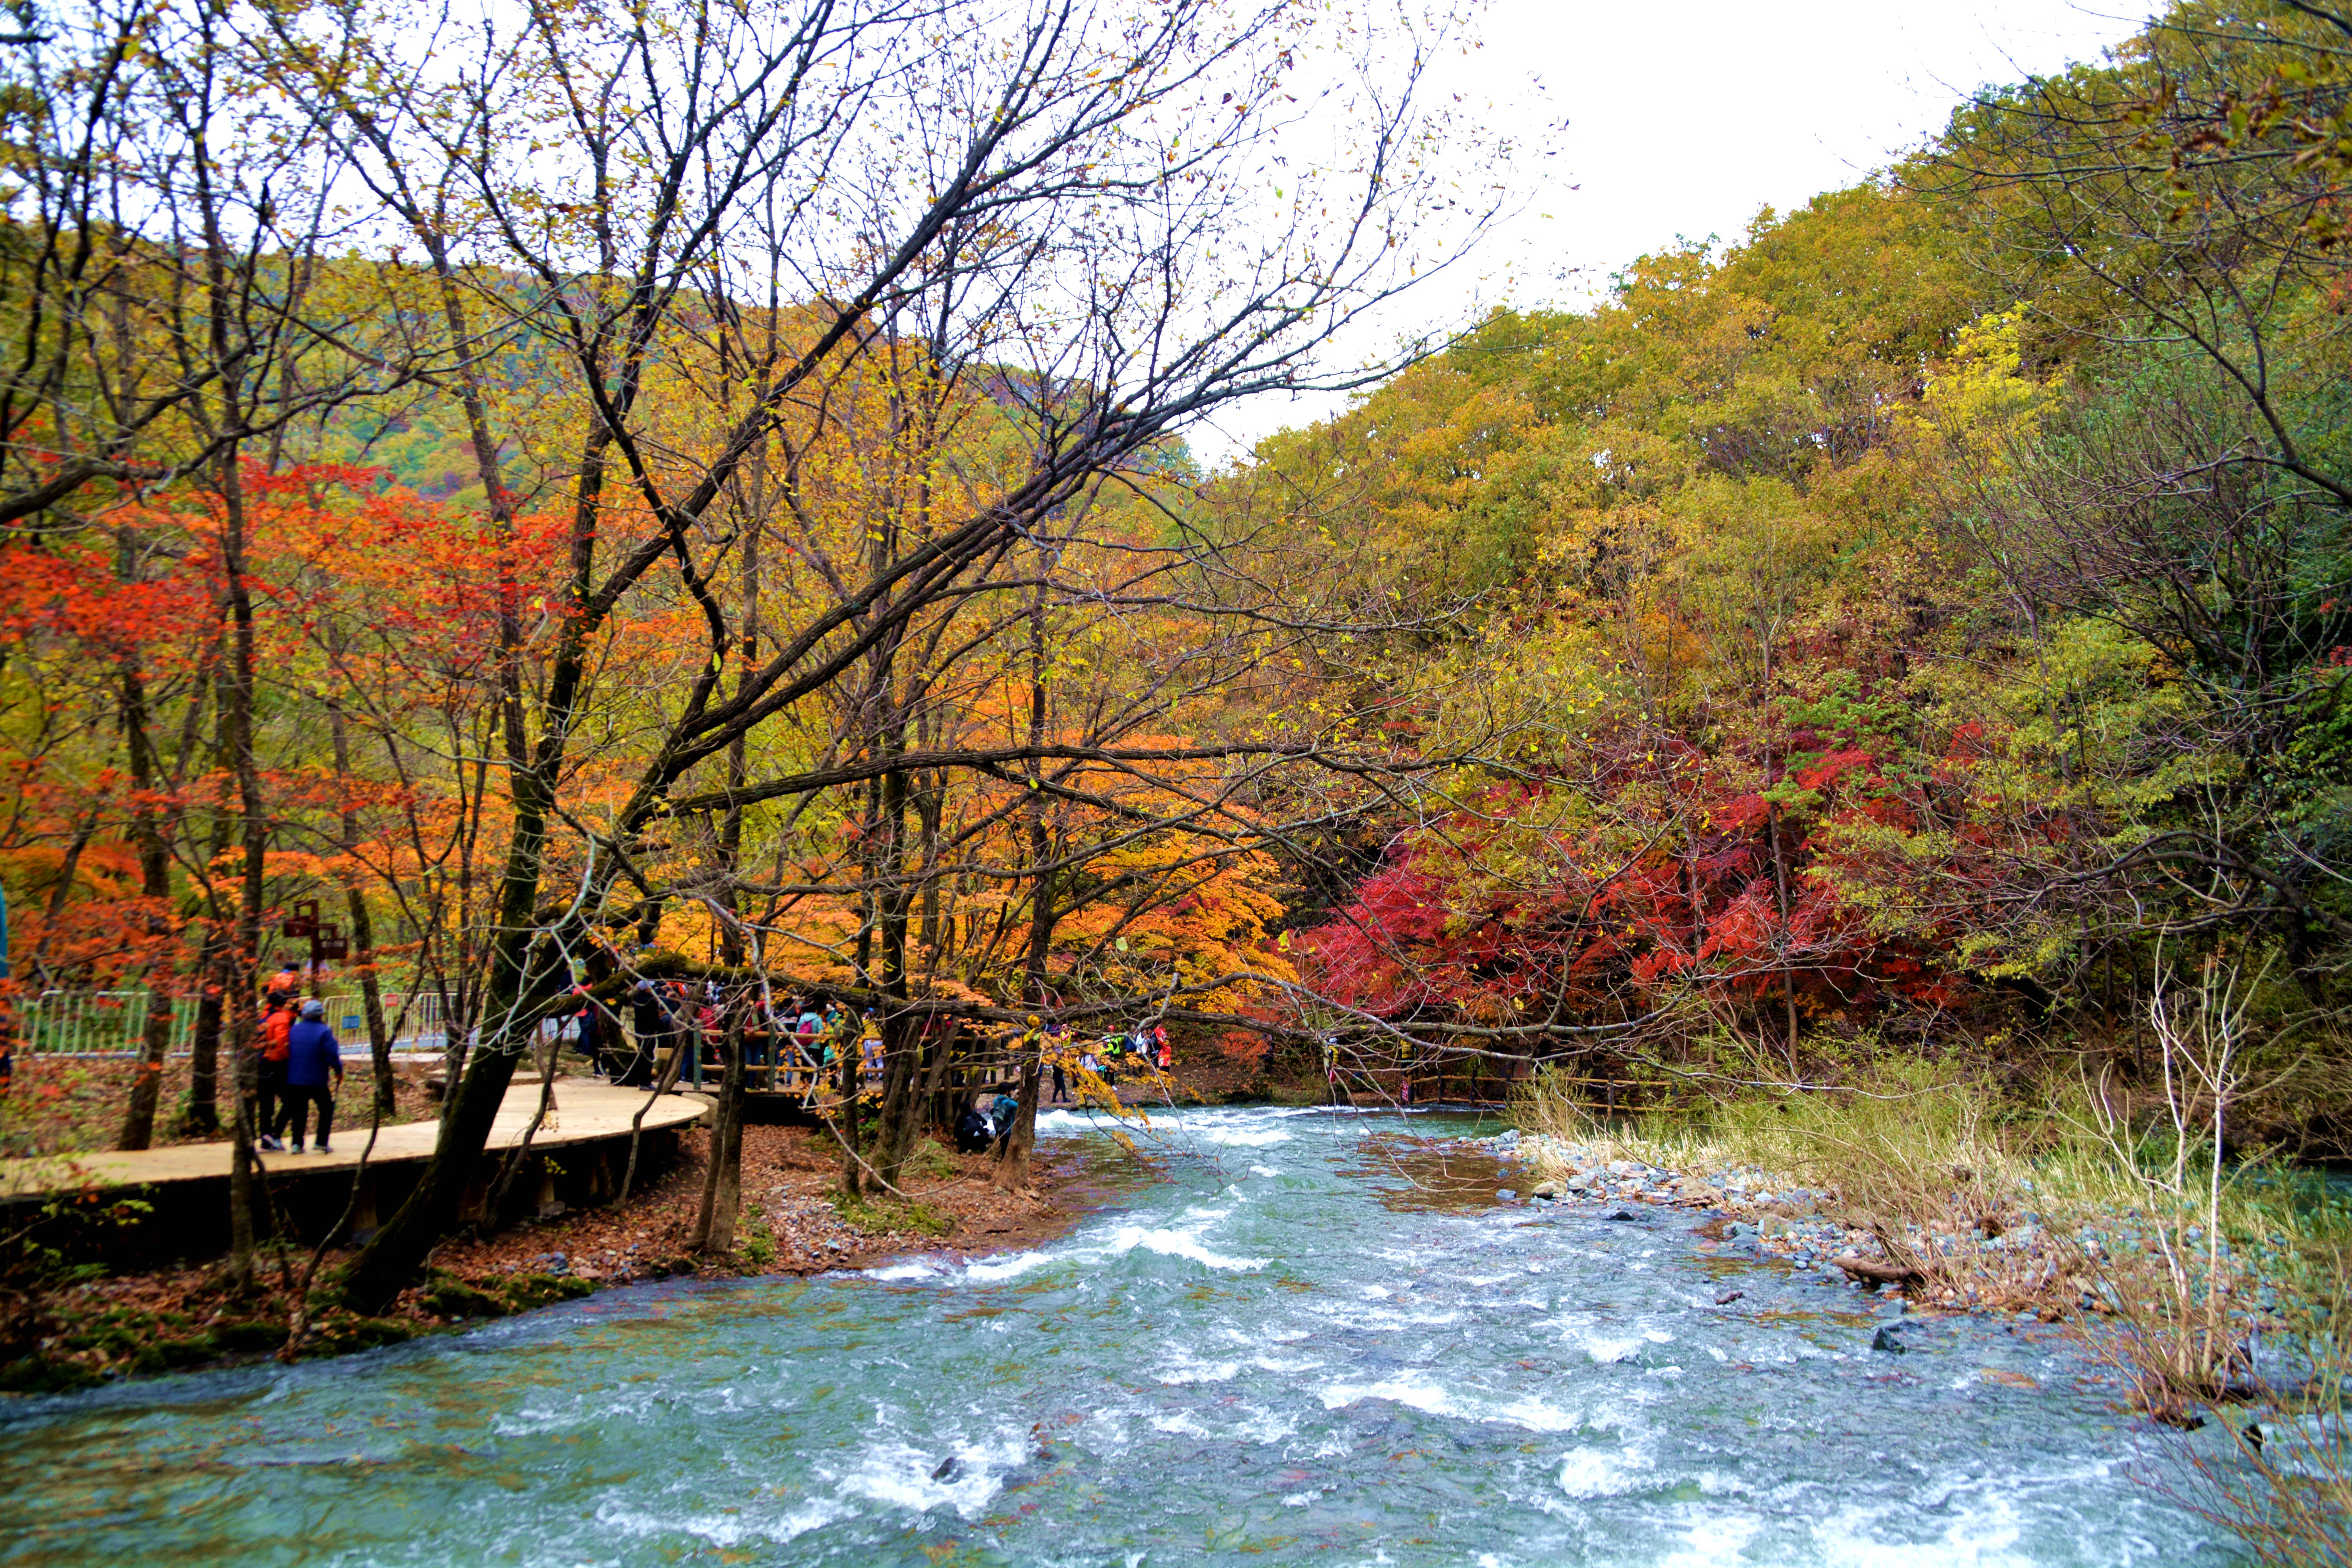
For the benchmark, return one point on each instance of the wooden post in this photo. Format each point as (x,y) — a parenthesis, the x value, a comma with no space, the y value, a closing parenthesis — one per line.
(364,1222)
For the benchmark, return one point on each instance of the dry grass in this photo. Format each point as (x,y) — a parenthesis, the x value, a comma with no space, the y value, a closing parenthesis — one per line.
(1915,1155)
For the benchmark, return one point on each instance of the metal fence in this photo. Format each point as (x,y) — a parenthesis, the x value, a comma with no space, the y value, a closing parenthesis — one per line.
(114,1022)
(96,1022)
(421,1030)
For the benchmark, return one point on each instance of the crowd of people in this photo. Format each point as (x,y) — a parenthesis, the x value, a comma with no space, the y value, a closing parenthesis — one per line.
(790,1044)
(1142,1052)
(795,1046)
(673,1036)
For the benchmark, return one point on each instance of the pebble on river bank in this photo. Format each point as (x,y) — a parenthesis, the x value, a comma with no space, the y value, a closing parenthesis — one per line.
(2029,1267)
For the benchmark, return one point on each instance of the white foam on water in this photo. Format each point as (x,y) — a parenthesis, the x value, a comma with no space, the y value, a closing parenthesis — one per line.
(726,1530)
(1180,1240)
(533,1420)
(1983,1536)
(1183,1243)
(1419,1393)
(1277,1363)
(1246,1137)
(901,1475)
(1715,1541)
(813,1514)
(1587,1473)
(1190,1371)
(1606,1352)
(1266,1426)
(1007,1267)
(1536,1416)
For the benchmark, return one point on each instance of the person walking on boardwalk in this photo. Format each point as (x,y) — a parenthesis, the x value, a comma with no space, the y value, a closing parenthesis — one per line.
(649,1022)
(312,1056)
(276,1021)
(1042,1044)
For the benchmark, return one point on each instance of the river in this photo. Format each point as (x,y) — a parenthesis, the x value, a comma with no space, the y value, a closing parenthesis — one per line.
(1307,1340)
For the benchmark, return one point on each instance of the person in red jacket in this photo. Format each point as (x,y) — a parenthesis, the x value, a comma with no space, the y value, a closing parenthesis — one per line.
(276,1021)
(313,1056)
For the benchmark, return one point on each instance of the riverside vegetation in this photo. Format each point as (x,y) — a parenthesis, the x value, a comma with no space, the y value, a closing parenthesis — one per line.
(1864,702)
(2217,1290)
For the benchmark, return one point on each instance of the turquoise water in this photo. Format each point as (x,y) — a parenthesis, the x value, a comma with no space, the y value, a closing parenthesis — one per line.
(1309,1340)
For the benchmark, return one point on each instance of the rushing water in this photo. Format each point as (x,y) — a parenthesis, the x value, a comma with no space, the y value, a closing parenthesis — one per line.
(1308,1343)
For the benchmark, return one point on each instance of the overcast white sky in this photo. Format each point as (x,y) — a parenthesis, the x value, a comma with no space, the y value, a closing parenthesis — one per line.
(1683,118)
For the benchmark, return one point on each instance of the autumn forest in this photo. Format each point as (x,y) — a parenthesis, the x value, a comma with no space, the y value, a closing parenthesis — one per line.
(703,491)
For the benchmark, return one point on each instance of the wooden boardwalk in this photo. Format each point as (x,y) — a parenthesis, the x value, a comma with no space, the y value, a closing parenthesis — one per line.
(585,1110)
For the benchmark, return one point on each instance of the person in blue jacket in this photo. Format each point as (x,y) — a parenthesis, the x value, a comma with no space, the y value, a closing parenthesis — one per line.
(312,1056)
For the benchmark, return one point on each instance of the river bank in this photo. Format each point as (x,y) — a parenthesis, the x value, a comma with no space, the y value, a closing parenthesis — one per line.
(103,1328)
(2214,1289)
(2027,1269)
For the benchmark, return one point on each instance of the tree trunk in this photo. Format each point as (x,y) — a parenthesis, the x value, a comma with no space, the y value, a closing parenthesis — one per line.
(154,885)
(1012,1165)
(245,953)
(853,1049)
(937,1062)
(1013,1168)
(147,1088)
(388,1262)
(519,966)
(1788,974)
(356,909)
(201,1116)
(1779,862)
(722,1184)
(902,1098)
(895,1127)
